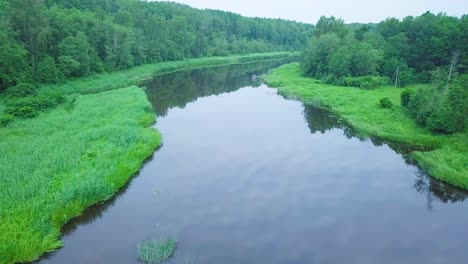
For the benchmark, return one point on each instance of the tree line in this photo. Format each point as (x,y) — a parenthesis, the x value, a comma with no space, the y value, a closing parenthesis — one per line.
(425,49)
(46,41)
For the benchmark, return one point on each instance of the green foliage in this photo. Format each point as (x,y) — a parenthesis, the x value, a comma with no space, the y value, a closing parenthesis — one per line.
(406,97)
(69,66)
(13,60)
(385,102)
(84,37)
(441,108)
(327,25)
(6,119)
(28,105)
(331,58)
(151,251)
(46,71)
(77,52)
(365,60)
(56,165)
(406,75)
(22,111)
(316,56)
(365,82)
(28,18)
(21,90)
(447,161)
(403,51)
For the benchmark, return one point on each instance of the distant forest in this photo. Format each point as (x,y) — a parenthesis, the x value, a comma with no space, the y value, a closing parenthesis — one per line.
(45,41)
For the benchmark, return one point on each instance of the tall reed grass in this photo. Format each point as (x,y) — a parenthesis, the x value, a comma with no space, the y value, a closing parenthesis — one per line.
(56,165)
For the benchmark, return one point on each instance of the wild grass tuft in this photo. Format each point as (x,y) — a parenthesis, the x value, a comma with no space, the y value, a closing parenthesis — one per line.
(151,251)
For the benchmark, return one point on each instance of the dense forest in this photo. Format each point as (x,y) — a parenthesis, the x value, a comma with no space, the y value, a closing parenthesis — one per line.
(425,49)
(45,41)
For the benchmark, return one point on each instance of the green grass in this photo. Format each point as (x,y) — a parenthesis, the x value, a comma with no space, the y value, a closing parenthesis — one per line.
(448,159)
(151,251)
(56,165)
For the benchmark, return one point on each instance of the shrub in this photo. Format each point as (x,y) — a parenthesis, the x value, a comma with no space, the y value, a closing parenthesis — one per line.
(40,103)
(440,108)
(369,82)
(21,90)
(30,106)
(365,82)
(6,120)
(22,111)
(406,97)
(385,103)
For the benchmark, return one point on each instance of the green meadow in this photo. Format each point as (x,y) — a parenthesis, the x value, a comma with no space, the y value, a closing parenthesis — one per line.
(447,158)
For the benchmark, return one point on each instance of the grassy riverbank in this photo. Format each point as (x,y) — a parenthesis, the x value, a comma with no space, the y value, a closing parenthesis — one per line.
(54,166)
(447,161)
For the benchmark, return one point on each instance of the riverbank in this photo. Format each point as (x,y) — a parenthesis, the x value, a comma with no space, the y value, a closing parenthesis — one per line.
(54,166)
(109,81)
(448,158)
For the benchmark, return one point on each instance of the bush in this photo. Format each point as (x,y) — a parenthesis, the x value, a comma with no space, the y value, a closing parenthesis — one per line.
(406,97)
(30,106)
(441,109)
(6,120)
(385,103)
(365,82)
(22,111)
(40,103)
(21,90)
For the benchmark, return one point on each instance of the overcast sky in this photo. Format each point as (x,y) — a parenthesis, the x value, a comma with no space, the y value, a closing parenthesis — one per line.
(309,11)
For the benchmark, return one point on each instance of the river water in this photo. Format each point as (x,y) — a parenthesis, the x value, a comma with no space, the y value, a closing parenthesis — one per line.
(247,176)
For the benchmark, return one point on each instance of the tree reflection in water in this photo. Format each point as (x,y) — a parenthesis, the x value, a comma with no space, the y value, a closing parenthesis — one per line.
(321,121)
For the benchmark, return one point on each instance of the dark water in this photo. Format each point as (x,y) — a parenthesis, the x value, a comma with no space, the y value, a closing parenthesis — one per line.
(246,176)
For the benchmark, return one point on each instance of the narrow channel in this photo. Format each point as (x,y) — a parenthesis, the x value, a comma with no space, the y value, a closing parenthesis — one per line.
(247,176)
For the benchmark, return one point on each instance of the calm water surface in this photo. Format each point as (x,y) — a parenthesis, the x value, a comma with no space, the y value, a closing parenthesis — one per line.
(246,176)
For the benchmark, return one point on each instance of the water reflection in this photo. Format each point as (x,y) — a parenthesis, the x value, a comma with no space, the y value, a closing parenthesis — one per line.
(180,88)
(434,188)
(321,121)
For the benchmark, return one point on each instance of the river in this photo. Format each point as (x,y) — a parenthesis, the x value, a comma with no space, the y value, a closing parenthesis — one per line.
(247,176)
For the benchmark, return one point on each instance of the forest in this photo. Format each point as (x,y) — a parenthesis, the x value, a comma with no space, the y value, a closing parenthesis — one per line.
(425,49)
(48,41)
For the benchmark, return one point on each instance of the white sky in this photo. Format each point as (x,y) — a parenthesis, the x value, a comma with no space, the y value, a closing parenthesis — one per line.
(309,11)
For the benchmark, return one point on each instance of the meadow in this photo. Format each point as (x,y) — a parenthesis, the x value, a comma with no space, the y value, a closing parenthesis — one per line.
(447,155)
